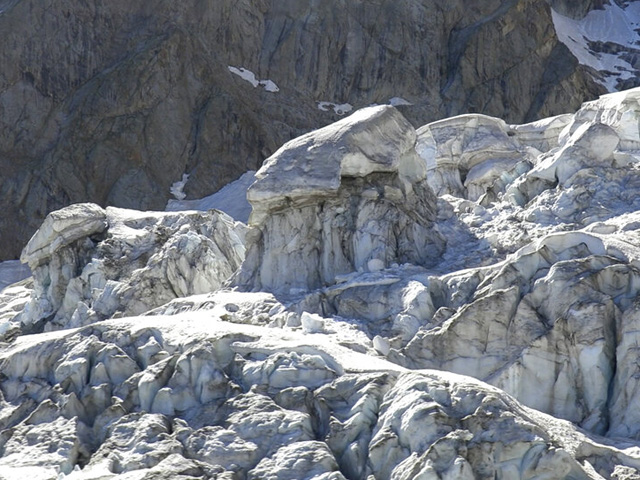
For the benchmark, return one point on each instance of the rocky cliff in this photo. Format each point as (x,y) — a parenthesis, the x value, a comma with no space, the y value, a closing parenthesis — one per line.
(112,101)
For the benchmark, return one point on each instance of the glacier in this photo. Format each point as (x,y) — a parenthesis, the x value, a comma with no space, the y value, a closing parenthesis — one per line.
(458,301)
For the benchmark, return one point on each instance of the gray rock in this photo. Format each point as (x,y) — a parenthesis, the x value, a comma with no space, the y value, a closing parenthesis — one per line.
(577,10)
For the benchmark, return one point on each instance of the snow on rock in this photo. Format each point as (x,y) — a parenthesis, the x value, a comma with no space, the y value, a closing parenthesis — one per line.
(250,77)
(309,460)
(465,154)
(537,310)
(329,202)
(591,145)
(61,228)
(15,293)
(605,40)
(348,423)
(618,110)
(545,317)
(13,301)
(338,108)
(394,303)
(542,134)
(137,440)
(53,443)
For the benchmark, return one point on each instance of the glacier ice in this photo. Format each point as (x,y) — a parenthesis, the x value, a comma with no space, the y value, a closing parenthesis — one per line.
(459,302)
(347,197)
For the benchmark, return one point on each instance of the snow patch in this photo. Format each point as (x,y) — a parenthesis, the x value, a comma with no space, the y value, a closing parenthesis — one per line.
(613,24)
(231,199)
(269,86)
(245,74)
(178,187)
(338,108)
(249,76)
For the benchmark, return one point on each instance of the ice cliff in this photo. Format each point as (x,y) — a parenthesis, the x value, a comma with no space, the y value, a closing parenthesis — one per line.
(348,197)
(458,301)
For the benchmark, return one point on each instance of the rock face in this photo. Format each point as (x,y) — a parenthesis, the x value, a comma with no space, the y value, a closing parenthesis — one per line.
(512,353)
(350,196)
(112,102)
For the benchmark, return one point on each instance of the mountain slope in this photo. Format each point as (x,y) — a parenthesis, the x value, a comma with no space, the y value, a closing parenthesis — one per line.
(112,102)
